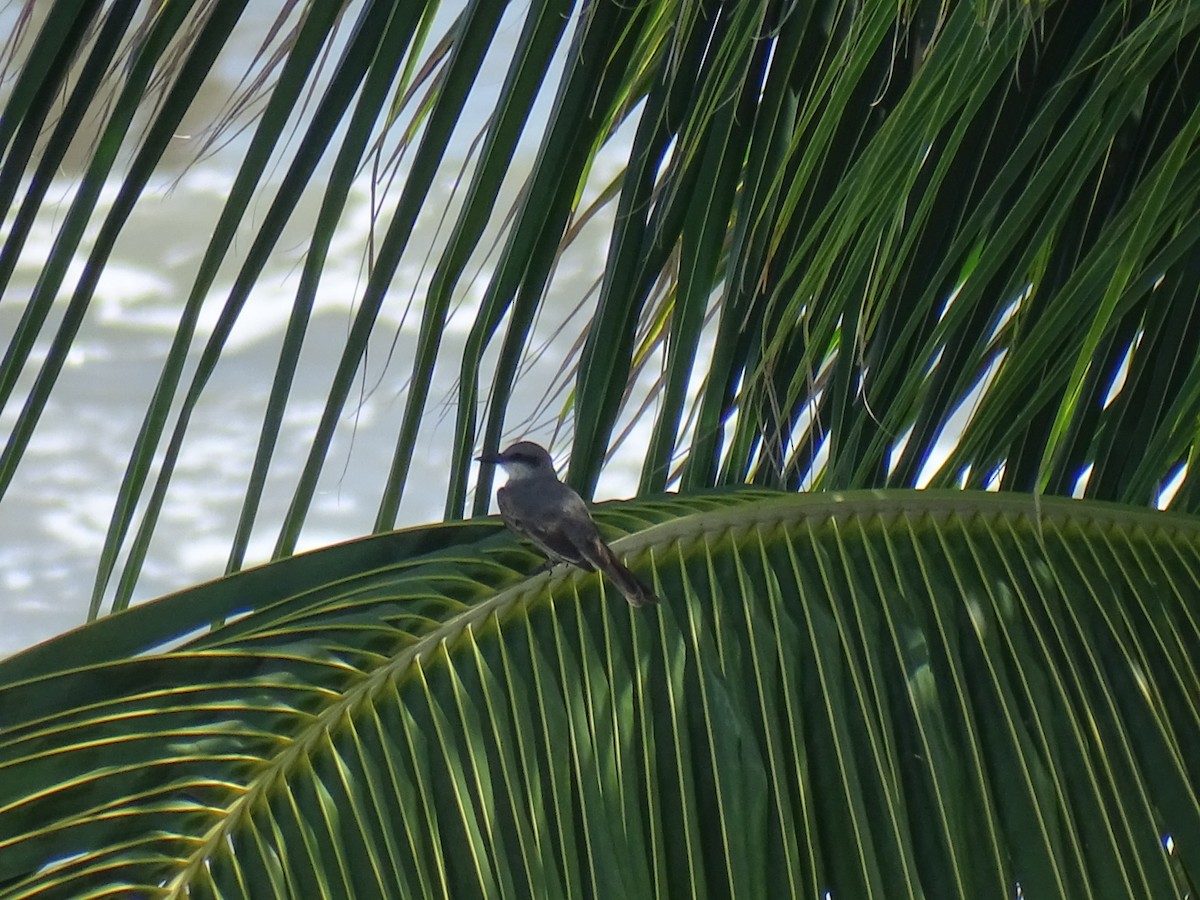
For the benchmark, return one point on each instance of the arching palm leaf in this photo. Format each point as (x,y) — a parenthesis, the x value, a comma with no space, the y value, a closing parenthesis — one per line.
(928,695)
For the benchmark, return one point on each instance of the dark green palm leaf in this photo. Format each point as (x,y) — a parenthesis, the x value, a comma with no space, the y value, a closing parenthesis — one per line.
(925,695)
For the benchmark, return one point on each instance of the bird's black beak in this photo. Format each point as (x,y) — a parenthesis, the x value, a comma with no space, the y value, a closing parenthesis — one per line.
(493,458)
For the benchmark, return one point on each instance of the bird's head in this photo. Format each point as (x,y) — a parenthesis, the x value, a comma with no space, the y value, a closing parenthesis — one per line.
(524,459)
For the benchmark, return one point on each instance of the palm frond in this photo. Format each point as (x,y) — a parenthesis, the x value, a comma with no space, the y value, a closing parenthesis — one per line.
(864,244)
(912,694)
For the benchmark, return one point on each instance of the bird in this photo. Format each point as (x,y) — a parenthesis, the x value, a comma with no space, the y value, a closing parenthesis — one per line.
(539,507)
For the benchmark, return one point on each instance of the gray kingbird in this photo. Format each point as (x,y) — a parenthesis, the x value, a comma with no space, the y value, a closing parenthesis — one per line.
(539,507)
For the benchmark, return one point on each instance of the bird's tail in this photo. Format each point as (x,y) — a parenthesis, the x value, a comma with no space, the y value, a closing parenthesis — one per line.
(627,583)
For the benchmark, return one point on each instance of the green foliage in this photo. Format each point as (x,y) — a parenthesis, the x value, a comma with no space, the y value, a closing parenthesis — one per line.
(910,695)
(847,232)
(851,235)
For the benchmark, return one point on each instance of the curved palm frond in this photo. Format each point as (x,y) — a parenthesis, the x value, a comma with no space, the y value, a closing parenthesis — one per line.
(902,695)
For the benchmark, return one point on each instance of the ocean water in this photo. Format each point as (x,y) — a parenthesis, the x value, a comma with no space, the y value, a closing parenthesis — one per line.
(54,516)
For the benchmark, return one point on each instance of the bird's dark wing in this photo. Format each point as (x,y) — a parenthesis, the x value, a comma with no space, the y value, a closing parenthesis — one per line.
(557,520)
(556,544)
